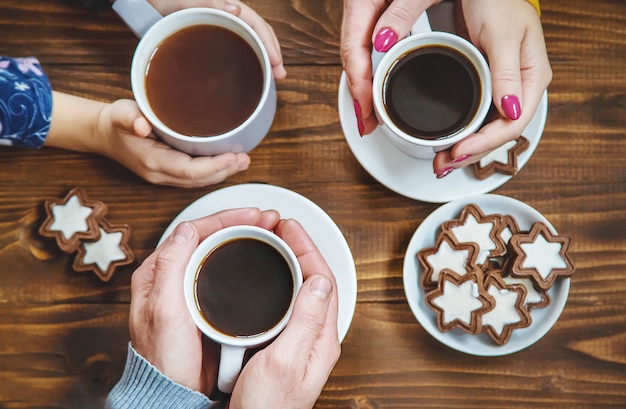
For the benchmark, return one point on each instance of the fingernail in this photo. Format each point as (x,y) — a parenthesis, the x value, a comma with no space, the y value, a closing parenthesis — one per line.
(359,117)
(183,233)
(244,166)
(511,107)
(461,158)
(385,39)
(442,173)
(321,287)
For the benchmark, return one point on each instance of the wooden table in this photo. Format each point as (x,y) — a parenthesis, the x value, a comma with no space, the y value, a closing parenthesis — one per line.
(63,335)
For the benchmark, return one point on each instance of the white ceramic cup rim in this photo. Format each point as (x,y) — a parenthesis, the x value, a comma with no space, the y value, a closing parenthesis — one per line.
(425,39)
(215,240)
(161,30)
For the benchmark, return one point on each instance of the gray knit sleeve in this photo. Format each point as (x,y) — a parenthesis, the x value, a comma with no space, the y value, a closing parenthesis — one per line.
(142,385)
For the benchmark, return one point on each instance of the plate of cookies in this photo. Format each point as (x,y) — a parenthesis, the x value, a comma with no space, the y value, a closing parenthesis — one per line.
(487,275)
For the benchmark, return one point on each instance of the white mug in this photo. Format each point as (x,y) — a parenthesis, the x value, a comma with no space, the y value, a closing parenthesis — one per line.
(422,36)
(232,348)
(153,29)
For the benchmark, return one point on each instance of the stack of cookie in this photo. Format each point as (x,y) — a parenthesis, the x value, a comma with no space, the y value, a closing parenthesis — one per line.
(78,225)
(484,274)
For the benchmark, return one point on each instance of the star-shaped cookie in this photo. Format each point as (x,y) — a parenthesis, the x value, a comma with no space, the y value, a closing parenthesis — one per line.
(72,219)
(501,160)
(541,256)
(103,256)
(458,302)
(446,254)
(508,312)
(473,226)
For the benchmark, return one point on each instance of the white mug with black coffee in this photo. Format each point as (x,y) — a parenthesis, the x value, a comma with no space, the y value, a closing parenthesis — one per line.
(240,287)
(202,77)
(431,90)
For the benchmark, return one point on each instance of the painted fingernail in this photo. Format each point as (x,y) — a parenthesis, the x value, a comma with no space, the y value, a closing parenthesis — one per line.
(442,173)
(461,158)
(511,107)
(385,39)
(321,287)
(359,117)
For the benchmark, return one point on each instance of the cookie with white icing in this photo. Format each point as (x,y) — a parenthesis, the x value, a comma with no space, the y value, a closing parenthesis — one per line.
(508,312)
(104,255)
(72,219)
(446,254)
(459,301)
(541,256)
(473,226)
(502,159)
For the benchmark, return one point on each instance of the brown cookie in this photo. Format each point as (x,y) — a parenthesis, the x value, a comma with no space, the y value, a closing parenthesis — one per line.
(541,256)
(104,255)
(535,297)
(501,160)
(72,219)
(508,312)
(446,254)
(473,226)
(459,301)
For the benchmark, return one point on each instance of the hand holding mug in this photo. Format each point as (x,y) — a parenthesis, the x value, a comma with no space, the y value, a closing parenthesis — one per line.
(292,371)
(161,329)
(234,108)
(520,71)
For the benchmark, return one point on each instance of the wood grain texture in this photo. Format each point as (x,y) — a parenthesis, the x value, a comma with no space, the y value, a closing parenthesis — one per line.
(63,335)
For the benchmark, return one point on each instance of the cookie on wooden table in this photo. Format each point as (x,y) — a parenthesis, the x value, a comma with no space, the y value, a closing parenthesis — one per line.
(72,219)
(104,255)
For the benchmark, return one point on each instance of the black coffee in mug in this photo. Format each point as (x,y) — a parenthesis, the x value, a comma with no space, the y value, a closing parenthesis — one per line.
(432,92)
(244,287)
(204,80)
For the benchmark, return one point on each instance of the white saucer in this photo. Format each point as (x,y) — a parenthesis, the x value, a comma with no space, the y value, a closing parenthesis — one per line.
(542,318)
(322,229)
(414,178)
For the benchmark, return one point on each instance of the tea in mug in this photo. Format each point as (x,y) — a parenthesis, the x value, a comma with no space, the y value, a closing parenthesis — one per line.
(432,92)
(244,287)
(204,81)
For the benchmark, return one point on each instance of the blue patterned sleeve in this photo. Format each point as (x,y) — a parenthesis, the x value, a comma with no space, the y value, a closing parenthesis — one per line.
(25,103)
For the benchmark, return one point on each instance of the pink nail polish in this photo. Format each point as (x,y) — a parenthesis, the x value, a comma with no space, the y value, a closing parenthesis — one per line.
(359,117)
(385,39)
(511,107)
(442,173)
(461,158)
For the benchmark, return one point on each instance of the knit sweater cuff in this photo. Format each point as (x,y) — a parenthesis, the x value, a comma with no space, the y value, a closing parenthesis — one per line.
(142,385)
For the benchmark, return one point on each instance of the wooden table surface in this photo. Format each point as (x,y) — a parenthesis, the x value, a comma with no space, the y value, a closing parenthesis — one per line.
(63,335)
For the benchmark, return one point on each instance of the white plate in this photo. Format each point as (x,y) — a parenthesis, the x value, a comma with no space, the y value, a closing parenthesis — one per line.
(322,229)
(542,318)
(414,178)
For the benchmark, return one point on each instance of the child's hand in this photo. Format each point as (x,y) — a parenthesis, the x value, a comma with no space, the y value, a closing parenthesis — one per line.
(509,32)
(241,10)
(125,136)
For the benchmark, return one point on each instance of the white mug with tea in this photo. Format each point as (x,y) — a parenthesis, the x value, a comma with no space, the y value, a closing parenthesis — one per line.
(240,287)
(430,90)
(202,77)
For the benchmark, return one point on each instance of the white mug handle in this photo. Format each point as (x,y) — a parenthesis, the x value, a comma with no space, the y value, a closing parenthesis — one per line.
(422,25)
(139,15)
(231,363)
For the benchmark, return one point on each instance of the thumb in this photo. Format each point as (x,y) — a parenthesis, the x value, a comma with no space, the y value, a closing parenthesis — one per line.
(172,259)
(308,317)
(396,22)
